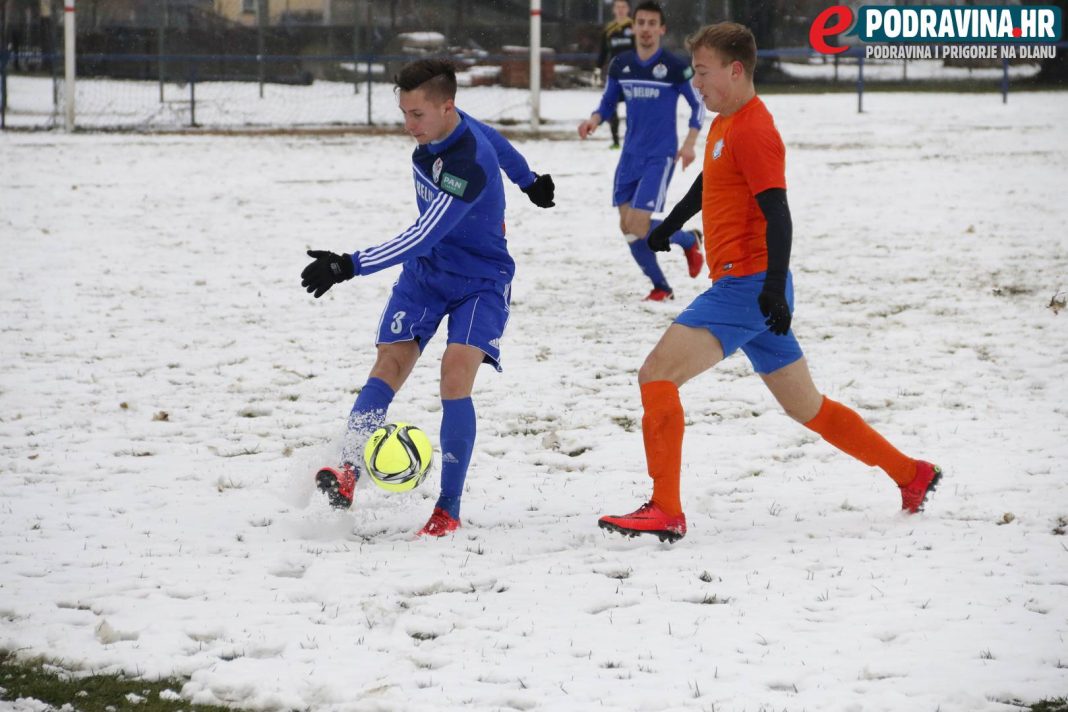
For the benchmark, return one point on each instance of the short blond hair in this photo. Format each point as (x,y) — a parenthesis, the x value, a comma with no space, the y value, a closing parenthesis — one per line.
(735,42)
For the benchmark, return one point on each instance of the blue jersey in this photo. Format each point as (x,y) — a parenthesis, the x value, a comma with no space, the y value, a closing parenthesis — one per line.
(460,196)
(651,90)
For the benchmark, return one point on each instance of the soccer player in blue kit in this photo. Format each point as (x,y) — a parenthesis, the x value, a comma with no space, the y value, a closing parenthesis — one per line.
(455,263)
(651,80)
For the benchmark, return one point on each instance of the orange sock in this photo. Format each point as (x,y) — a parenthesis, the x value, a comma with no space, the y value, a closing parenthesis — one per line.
(847,431)
(662,426)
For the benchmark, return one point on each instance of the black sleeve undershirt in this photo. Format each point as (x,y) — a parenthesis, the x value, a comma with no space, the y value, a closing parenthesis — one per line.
(776,211)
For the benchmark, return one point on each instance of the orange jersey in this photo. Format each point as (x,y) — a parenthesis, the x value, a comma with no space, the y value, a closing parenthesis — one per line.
(744,156)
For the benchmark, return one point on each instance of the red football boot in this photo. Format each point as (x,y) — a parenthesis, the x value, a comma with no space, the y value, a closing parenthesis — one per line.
(695,260)
(647,519)
(439,524)
(338,484)
(659,295)
(914,494)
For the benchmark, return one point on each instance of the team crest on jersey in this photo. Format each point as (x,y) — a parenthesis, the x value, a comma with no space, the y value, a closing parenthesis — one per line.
(717,150)
(660,71)
(438,164)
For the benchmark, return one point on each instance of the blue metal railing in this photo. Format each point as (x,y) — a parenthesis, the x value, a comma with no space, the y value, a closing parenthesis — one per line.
(858,53)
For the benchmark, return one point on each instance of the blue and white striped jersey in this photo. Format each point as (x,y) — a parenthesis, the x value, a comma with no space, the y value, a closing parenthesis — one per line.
(651,90)
(460,197)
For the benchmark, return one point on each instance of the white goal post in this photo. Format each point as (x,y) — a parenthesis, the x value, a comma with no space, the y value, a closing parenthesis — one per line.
(535,64)
(68,64)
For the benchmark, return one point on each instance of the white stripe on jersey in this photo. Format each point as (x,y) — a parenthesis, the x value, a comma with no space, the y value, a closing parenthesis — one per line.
(701,111)
(649,82)
(419,174)
(410,237)
(661,193)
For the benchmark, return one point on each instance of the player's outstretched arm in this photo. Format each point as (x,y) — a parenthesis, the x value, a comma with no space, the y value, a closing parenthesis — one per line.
(772,299)
(512,161)
(539,188)
(613,91)
(687,153)
(659,239)
(441,216)
(697,107)
(327,270)
(607,108)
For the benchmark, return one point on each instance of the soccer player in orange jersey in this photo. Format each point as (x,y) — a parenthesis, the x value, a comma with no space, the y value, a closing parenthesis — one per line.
(741,194)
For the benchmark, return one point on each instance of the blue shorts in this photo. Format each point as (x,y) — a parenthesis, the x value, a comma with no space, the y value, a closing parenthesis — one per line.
(642,181)
(730,311)
(477,309)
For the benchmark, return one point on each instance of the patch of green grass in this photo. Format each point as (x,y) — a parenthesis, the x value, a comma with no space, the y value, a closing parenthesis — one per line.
(42,681)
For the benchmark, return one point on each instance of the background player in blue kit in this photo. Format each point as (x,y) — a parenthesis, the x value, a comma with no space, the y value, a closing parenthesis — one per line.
(651,80)
(455,263)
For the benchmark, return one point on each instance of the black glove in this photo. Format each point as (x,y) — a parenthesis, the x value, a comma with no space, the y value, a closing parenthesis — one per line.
(773,305)
(541,191)
(327,270)
(659,239)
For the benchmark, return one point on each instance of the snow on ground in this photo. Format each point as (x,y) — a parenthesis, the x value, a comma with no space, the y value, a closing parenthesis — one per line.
(166,390)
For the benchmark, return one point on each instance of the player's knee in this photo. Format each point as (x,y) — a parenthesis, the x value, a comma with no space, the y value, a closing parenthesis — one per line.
(457,377)
(393,365)
(652,370)
(455,384)
(801,405)
(803,410)
(386,367)
(639,226)
(796,413)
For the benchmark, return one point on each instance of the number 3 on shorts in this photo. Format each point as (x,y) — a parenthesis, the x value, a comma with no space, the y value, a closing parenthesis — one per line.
(396,327)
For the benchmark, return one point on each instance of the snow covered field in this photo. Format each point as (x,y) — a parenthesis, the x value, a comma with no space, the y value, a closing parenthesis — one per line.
(167,388)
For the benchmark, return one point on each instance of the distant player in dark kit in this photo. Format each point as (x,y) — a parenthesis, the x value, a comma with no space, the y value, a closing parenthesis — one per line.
(455,264)
(741,194)
(616,38)
(650,80)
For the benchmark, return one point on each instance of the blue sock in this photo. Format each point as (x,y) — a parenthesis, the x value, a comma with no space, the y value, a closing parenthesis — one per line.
(646,259)
(368,414)
(457,442)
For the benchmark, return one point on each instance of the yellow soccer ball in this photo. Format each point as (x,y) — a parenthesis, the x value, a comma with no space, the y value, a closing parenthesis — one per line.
(398,456)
